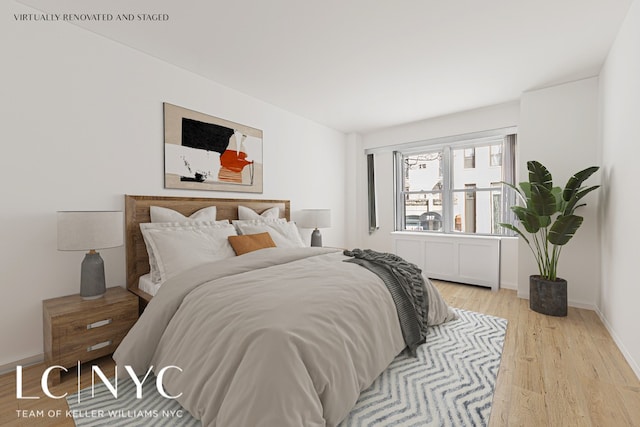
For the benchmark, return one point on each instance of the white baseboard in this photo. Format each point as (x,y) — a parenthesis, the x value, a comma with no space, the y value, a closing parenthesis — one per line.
(578,304)
(10,367)
(570,303)
(507,285)
(634,365)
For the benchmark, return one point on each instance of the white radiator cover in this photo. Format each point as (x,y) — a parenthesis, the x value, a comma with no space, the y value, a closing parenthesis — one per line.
(458,258)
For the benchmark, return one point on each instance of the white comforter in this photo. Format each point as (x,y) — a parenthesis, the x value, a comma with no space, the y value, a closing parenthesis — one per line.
(277,337)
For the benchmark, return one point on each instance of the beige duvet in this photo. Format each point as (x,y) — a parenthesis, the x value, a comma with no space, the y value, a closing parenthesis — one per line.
(277,337)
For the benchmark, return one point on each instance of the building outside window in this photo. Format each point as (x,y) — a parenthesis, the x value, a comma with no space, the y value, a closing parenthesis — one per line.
(495,155)
(470,158)
(454,187)
(469,208)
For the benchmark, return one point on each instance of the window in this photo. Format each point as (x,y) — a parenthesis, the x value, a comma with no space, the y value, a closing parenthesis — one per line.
(371,193)
(469,158)
(442,188)
(495,155)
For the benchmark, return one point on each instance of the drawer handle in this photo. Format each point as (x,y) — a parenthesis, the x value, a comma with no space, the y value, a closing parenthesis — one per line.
(99,346)
(99,323)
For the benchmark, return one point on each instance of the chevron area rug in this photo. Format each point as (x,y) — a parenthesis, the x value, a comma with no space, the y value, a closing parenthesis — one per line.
(450,383)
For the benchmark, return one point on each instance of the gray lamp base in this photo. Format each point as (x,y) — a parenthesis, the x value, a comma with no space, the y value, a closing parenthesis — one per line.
(316,238)
(92,284)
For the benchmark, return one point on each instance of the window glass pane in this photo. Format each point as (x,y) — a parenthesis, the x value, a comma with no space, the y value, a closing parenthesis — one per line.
(482,175)
(423,211)
(476,211)
(496,209)
(496,202)
(423,172)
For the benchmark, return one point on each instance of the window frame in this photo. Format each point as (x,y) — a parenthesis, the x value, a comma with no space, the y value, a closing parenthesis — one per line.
(447,146)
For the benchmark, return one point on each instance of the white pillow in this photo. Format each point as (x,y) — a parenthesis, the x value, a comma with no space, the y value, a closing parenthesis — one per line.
(159,214)
(284,234)
(236,222)
(245,213)
(155,240)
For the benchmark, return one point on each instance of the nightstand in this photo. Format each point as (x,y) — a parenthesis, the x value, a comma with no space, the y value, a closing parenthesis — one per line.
(84,330)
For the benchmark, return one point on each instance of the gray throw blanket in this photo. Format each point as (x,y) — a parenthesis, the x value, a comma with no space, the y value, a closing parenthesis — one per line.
(406,285)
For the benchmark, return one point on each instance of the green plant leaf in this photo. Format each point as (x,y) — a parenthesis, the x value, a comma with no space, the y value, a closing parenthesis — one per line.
(539,175)
(557,193)
(527,218)
(563,229)
(516,229)
(574,183)
(543,201)
(526,189)
(571,204)
(544,221)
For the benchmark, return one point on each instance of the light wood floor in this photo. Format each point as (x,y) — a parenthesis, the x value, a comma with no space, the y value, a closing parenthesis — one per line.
(554,371)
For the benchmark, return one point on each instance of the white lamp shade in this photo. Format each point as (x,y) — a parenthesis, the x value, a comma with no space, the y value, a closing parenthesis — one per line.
(316,218)
(86,230)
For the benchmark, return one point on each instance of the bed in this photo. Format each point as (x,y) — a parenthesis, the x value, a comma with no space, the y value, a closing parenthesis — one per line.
(274,337)
(137,211)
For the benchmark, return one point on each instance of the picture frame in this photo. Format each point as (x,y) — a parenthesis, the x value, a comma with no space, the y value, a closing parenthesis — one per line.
(203,152)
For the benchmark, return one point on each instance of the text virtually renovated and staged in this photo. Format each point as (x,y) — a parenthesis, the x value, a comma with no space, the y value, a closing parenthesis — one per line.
(91,17)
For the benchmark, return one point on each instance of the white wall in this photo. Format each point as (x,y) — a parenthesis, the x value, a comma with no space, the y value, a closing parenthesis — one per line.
(559,128)
(354,170)
(620,227)
(509,262)
(82,125)
(488,118)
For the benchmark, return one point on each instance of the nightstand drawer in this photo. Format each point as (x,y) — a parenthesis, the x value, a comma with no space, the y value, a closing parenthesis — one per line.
(85,341)
(104,318)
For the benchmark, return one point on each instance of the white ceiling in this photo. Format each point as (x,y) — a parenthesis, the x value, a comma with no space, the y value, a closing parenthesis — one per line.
(358,65)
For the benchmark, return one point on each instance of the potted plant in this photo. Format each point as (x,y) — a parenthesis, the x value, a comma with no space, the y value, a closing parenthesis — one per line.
(547,215)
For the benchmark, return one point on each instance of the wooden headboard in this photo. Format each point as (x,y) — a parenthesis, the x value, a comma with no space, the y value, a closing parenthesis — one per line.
(137,210)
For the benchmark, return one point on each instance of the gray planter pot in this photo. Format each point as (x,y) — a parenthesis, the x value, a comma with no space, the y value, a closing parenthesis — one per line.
(547,296)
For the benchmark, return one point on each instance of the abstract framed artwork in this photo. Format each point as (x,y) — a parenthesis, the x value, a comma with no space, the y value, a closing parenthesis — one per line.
(203,152)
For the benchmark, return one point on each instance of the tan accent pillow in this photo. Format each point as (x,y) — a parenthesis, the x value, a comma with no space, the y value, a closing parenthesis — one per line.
(251,242)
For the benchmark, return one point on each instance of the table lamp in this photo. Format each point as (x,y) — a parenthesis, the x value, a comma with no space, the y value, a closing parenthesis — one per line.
(316,218)
(88,231)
